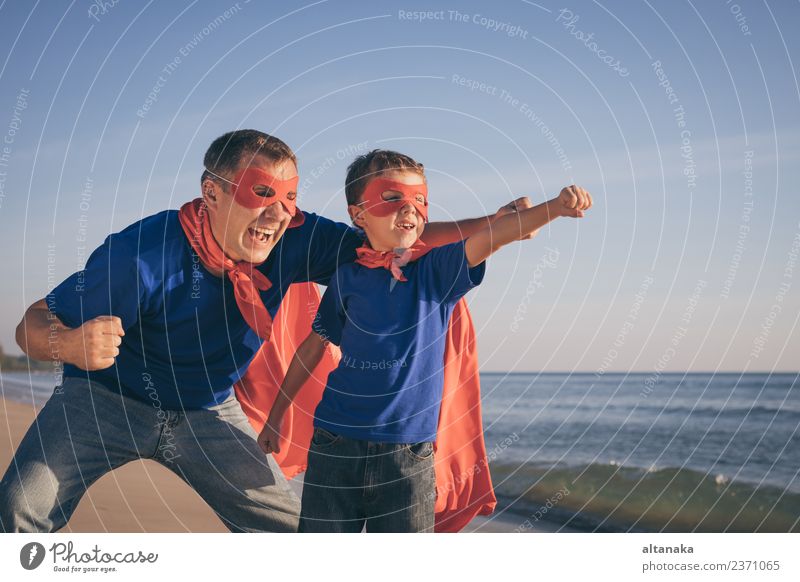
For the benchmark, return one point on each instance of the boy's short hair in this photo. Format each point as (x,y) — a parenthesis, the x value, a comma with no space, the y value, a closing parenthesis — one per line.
(227,152)
(371,164)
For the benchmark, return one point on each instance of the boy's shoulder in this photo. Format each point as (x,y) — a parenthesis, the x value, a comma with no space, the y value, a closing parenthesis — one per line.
(448,249)
(445,253)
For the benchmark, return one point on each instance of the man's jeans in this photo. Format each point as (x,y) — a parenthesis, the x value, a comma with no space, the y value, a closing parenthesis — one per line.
(351,483)
(86,430)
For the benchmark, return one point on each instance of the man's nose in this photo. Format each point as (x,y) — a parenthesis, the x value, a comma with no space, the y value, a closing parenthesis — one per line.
(276,211)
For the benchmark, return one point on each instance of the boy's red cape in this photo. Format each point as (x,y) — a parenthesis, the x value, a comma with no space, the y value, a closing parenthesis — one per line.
(463,483)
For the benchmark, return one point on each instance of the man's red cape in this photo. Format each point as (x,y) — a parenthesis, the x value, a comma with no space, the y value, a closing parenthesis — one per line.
(463,483)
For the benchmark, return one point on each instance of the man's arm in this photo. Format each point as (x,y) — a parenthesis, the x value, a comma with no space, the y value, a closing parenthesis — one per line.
(572,201)
(438,234)
(92,346)
(305,360)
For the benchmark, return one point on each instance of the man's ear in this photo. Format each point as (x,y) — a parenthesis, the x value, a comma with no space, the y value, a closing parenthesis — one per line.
(356,215)
(211,192)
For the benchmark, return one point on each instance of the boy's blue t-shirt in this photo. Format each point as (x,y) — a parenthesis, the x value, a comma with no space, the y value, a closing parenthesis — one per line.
(186,342)
(388,385)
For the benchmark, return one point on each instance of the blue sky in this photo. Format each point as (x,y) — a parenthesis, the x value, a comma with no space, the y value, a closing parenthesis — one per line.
(682,119)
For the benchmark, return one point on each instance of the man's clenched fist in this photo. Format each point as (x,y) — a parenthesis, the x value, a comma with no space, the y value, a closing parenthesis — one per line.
(95,344)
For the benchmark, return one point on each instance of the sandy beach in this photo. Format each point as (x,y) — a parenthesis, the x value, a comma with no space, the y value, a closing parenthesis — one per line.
(143,496)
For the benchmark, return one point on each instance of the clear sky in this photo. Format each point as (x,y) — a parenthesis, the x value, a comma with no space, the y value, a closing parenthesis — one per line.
(681,118)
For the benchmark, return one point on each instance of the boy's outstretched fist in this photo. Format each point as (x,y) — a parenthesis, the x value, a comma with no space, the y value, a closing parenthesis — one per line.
(573,200)
(516,223)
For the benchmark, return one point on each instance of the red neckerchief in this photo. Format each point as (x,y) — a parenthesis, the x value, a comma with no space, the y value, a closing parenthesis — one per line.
(391,260)
(247,280)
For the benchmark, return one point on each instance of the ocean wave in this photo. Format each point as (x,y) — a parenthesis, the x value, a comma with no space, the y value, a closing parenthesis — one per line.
(611,497)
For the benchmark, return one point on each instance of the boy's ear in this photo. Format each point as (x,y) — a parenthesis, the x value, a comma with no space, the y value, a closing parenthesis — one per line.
(356,215)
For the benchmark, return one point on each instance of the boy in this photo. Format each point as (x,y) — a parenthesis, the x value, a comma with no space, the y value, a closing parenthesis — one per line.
(371,456)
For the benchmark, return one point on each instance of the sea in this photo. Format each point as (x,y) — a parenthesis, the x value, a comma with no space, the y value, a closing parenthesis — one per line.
(620,452)
(678,452)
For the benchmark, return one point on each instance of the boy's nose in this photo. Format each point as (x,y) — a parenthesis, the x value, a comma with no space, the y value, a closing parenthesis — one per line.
(408,208)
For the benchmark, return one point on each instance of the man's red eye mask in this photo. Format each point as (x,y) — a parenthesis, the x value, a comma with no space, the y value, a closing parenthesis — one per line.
(275,190)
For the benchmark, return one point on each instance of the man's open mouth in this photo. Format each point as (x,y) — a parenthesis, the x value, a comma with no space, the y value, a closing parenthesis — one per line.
(261,235)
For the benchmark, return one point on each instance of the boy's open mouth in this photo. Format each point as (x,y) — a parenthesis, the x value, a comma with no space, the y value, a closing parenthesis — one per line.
(406,225)
(261,235)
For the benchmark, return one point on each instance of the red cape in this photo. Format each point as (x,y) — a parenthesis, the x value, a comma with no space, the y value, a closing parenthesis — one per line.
(463,483)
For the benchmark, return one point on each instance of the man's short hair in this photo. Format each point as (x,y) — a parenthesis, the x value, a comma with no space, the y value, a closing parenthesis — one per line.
(228,151)
(372,164)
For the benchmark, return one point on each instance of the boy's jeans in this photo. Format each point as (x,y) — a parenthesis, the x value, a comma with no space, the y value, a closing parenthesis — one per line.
(388,487)
(86,430)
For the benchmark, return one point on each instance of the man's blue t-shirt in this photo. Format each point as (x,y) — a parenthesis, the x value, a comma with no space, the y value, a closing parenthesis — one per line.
(185,343)
(388,385)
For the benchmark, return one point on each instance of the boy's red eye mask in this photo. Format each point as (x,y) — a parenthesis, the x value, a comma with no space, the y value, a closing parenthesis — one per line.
(373,201)
(255,188)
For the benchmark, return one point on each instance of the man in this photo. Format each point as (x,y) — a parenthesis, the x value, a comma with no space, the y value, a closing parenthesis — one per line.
(163,321)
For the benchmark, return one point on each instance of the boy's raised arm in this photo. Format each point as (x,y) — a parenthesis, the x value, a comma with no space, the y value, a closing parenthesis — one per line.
(305,359)
(572,201)
(438,234)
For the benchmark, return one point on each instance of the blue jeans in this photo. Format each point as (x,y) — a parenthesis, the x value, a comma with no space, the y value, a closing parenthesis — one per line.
(86,430)
(349,484)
